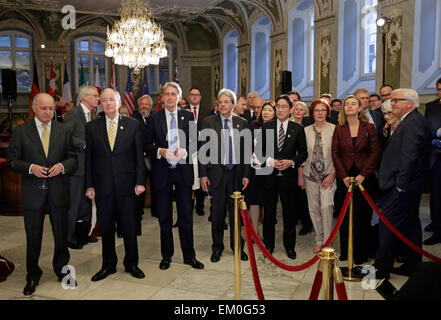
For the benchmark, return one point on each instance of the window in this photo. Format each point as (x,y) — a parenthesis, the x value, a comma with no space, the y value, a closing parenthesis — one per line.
(301,47)
(260,57)
(16,54)
(89,52)
(158,75)
(231,41)
(369,27)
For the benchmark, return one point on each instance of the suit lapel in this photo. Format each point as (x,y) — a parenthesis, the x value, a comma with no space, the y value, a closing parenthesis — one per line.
(347,135)
(163,123)
(35,137)
(362,132)
(53,138)
(120,131)
(82,115)
(181,125)
(103,129)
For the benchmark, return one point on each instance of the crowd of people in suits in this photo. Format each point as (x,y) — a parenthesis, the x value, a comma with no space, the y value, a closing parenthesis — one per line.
(304,155)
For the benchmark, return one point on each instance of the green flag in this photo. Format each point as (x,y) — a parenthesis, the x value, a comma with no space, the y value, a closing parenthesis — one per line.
(81,80)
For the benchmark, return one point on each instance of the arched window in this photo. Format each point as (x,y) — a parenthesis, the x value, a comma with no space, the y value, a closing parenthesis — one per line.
(356,46)
(89,52)
(301,47)
(231,41)
(427,44)
(260,57)
(16,53)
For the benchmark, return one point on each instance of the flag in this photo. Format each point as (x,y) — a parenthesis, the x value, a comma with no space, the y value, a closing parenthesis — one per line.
(145,86)
(67,94)
(81,80)
(98,87)
(52,90)
(176,78)
(159,105)
(34,92)
(129,101)
(113,80)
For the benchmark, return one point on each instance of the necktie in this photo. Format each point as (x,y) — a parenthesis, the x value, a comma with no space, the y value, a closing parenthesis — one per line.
(111,134)
(281,137)
(173,143)
(45,138)
(195,112)
(88,117)
(228,141)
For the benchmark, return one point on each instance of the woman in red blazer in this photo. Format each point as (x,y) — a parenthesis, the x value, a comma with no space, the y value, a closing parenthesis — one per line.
(355,153)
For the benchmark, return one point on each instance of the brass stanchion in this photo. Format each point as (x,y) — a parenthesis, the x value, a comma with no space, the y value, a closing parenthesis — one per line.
(348,274)
(327,258)
(237,196)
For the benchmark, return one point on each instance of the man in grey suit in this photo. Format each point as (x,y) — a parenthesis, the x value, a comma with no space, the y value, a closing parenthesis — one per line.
(80,206)
(41,150)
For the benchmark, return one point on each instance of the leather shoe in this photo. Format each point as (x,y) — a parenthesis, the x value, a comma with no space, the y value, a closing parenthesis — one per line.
(215,257)
(165,264)
(243,256)
(404,270)
(102,274)
(291,254)
(304,231)
(92,239)
(429,227)
(194,264)
(30,287)
(135,272)
(432,240)
(75,246)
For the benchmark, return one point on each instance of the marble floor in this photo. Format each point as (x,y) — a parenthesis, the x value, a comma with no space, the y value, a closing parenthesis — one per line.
(180,281)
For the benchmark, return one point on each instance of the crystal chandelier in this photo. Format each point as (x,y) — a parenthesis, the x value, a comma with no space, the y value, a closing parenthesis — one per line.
(135,40)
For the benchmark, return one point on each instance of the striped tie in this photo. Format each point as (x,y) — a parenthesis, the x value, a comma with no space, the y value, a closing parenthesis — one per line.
(281,137)
(111,134)
(45,139)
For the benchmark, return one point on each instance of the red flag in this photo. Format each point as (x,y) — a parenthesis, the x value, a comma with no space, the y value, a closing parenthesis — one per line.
(52,87)
(159,105)
(129,100)
(34,92)
(113,80)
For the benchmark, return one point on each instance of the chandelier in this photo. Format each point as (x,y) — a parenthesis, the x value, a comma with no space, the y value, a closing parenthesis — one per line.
(135,40)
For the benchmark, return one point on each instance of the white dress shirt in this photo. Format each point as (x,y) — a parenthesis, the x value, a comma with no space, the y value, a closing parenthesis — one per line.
(87,112)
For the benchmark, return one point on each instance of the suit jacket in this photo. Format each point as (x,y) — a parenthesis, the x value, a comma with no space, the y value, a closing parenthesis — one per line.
(327,134)
(124,166)
(26,148)
(365,155)
(432,109)
(294,147)
(203,113)
(406,158)
(157,138)
(378,120)
(75,120)
(435,122)
(214,170)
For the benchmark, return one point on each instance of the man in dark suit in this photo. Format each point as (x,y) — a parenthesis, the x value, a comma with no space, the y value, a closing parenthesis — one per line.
(223,170)
(114,176)
(80,206)
(200,113)
(168,143)
(374,117)
(41,150)
(434,107)
(401,178)
(283,155)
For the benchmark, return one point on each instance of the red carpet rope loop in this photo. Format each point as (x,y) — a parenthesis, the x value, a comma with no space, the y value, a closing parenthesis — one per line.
(317,285)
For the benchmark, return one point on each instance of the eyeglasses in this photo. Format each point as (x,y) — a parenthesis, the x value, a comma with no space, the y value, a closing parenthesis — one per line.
(395,100)
(195,95)
(182,104)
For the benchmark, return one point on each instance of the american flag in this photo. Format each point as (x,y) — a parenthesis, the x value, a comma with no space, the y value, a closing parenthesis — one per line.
(129,101)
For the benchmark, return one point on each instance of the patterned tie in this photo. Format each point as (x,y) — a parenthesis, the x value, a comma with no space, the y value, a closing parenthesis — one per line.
(45,138)
(281,137)
(229,147)
(111,134)
(173,143)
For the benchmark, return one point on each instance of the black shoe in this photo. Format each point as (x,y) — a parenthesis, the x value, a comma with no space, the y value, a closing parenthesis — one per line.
(194,263)
(432,240)
(200,212)
(135,272)
(400,259)
(102,274)
(291,254)
(175,225)
(243,256)
(75,246)
(92,239)
(429,227)
(404,270)
(209,217)
(304,231)
(165,264)
(30,287)
(215,256)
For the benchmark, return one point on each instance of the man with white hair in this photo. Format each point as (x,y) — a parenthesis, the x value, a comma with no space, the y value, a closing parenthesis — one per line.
(401,177)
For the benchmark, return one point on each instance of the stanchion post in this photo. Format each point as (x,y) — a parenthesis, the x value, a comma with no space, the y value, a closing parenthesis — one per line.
(327,258)
(237,196)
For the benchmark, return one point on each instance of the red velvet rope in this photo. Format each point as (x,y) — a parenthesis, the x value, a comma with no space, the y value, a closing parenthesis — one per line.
(396,232)
(316,286)
(341,291)
(261,246)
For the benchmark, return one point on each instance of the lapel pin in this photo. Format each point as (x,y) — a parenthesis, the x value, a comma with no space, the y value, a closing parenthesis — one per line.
(122,128)
(182,118)
(237,126)
(289,136)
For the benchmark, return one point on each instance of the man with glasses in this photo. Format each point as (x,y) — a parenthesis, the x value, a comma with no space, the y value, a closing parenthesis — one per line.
(81,208)
(401,177)
(386,92)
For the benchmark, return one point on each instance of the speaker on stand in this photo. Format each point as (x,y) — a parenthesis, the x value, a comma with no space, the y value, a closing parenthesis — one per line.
(286,85)
(9,92)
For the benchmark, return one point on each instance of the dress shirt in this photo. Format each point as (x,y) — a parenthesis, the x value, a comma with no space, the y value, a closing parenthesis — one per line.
(167,121)
(87,112)
(230,126)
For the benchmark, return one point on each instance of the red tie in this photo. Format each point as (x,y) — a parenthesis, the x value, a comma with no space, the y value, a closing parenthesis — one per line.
(195,112)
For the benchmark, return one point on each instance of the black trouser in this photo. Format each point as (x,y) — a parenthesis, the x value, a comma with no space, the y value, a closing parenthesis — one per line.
(285,188)
(80,210)
(199,200)
(435,196)
(221,201)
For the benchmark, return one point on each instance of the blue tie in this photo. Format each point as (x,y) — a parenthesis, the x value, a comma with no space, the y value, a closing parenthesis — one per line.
(173,143)
(229,147)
